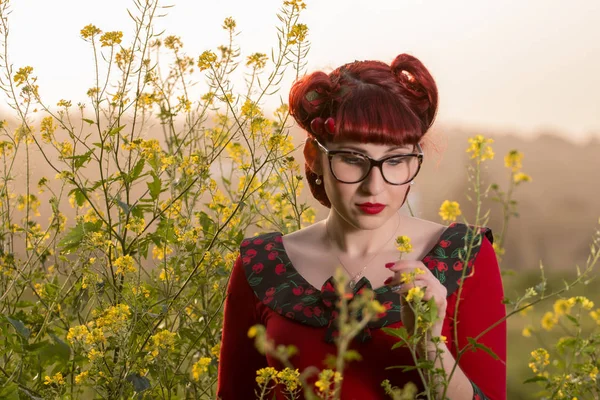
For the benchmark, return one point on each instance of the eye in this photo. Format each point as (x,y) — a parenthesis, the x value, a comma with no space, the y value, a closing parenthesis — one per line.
(396,161)
(353,160)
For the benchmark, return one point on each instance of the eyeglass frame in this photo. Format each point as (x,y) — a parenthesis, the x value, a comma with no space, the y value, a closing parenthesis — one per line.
(372,162)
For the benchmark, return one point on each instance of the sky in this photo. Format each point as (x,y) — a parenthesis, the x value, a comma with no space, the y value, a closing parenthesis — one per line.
(511,66)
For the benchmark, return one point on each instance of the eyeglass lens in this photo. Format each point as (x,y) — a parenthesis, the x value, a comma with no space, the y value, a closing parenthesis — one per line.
(351,168)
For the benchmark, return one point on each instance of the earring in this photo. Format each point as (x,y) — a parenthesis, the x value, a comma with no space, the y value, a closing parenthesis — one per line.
(318,181)
(412,182)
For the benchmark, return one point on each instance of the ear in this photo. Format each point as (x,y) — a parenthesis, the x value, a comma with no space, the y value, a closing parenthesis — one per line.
(312,155)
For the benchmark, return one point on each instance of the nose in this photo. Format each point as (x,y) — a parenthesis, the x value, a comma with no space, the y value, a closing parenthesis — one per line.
(374,182)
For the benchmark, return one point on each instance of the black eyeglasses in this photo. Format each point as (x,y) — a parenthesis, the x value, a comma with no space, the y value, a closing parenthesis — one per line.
(353,167)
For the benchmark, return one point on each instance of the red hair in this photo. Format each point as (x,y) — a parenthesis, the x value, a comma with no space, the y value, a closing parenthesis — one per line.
(370,102)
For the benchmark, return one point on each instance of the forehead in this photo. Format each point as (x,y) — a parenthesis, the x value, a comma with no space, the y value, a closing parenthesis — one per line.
(369,148)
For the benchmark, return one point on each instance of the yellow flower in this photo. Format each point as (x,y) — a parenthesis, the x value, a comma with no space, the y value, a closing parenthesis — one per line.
(297,34)
(403,244)
(527,331)
(252,332)
(326,378)
(89,31)
(57,379)
(480,148)
(94,355)
(111,38)
(124,265)
(114,317)
(450,210)
(549,320)
(216,350)
(513,160)
(595,315)
(415,294)
(206,59)
(201,367)
(80,378)
(47,128)
(265,375)
(290,378)
(163,340)
(258,60)
(584,301)
(22,75)
(539,359)
(562,307)
(77,333)
(521,177)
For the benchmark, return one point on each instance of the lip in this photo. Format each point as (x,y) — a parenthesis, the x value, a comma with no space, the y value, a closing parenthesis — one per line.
(370,208)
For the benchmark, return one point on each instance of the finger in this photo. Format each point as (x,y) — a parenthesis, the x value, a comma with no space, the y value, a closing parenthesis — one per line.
(404,265)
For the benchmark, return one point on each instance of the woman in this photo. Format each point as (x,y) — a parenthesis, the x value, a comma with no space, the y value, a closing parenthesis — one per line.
(365,122)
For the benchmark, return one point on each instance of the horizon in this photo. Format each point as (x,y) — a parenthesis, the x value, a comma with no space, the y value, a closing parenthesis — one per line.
(514,59)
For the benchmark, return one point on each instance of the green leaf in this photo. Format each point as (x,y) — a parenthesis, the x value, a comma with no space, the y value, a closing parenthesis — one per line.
(140,383)
(154,186)
(19,327)
(308,300)
(401,332)
(73,238)
(255,281)
(137,170)
(89,121)
(116,130)
(536,379)
(79,196)
(482,347)
(440,252)
(9,391)
(458,253)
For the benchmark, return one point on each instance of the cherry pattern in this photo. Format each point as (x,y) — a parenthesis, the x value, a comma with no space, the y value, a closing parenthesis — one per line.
(277,284)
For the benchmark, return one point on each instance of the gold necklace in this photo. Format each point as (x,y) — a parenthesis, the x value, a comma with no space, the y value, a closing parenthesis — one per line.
(354,279)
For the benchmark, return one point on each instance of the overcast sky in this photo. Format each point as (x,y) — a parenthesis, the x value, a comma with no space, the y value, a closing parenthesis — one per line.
(506,65)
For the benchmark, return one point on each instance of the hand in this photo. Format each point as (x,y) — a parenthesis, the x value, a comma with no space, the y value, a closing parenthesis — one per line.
(428,283)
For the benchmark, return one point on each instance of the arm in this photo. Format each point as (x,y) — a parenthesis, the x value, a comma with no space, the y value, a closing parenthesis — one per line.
(480,307)
(239,359)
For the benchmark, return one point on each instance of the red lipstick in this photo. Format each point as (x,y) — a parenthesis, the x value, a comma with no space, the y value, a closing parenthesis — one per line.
(370,208)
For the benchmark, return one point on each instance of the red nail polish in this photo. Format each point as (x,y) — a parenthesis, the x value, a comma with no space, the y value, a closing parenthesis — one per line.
(390,265)
(388,280)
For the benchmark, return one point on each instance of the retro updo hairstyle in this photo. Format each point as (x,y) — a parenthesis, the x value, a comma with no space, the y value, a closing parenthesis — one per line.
(370,102)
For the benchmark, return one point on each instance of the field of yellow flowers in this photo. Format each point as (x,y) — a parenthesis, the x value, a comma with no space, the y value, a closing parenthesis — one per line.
(116,289)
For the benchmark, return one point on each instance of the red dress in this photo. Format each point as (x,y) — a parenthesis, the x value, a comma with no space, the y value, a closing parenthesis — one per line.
(266,289)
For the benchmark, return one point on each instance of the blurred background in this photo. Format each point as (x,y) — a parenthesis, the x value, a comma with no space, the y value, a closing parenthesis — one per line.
(522,73)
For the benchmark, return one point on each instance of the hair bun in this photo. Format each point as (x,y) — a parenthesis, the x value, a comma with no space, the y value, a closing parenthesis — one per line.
(419,86)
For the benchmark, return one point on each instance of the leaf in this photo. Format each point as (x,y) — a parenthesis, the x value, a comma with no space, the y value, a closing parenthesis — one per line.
(9,391)
(89,121)
(440,252)
(154,186)
(79,196)
(19,327)
(308,300)
(255,281)
(116,130)
(137,170)
(73,238)
(401,332)
(124,206)
(458,253)
(536,379)
(482,347)
(81,159)
(140,383)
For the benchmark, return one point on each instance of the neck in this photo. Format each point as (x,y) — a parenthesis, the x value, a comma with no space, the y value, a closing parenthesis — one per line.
(359,243)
